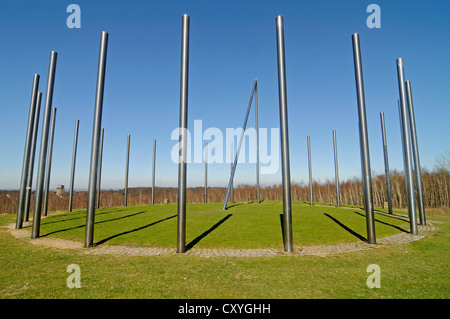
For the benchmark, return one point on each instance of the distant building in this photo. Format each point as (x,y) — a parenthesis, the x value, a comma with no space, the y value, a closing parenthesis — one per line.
(60,190)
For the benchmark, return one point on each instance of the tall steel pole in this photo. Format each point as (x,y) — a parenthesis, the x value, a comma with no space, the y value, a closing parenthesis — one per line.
(181,221)
(99,177)
(231,170)
(386,163)
(364,142)
(230,182)
(257,143)
(90,214)
(26,153)
(406,144)
(336,169)
(32,158)
(415,151)
(311,198)
(49,162)
(153,172)
(44,143)
(72,171)
(206,173)
(286,175)
(125,195)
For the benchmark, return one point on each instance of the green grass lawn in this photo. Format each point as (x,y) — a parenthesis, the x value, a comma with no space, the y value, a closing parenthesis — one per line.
(418,269)
(243,225)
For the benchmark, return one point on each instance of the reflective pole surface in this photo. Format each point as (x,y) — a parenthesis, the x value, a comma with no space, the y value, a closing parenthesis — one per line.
(32,158)
(90,214)
(286,175)
(364,142)
(233,170)
(27,153)
(311,198)
(49,162)
(125,200)
(257,143)
(415,151)
(406,145)
(336,170)
(386,164)
(99,177)
(153,172)
(181,222)
(44,143)
(206,173)
(72,171)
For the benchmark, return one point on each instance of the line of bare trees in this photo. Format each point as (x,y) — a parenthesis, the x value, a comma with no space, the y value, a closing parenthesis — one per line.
(436,186)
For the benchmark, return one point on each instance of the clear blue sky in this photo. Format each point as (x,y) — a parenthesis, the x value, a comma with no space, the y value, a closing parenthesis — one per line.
(231,43)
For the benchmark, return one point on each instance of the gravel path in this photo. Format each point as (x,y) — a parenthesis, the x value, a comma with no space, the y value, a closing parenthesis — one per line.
(318,250)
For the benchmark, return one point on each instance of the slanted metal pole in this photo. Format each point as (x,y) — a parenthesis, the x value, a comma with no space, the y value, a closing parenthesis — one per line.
(233,170)
(415,151)
(32,158)
(286,175)
(125,201)
(257,144)
(49,162)
(336,170)
(386,164)
(406,145)
(311,198)
(364,142)
(72,172)
(153,172)
(90,214)
(206,173)
(44,143)
(99,177)
(26,153)
(181,222)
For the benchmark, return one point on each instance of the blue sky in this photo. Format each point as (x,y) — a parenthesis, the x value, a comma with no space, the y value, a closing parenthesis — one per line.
(231,44)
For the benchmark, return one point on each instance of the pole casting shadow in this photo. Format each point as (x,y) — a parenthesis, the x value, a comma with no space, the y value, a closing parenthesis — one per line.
(206,233)
(384,223)
(360,237)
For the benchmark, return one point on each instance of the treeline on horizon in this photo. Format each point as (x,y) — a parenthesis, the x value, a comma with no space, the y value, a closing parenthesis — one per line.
(435,188)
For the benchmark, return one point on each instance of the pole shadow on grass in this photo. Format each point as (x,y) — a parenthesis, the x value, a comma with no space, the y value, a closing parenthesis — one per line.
(84,225)
(384,223)
(133,230)
(360,237)
(239,204)
(206,233)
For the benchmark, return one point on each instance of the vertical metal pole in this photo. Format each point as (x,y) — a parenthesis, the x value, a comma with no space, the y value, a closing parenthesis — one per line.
(125,195)
(336,169)
(153,172)
(206,173)
(364,142)
(406,144)
(49,162)
(286,175)
(311,198)
(386,163)
(181,222)
(415,151)
(26,153)
(32,158)
(257,143)
(90,214)
(230,182)
(72,172)
(231,170)
(44,143)
(99,177)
